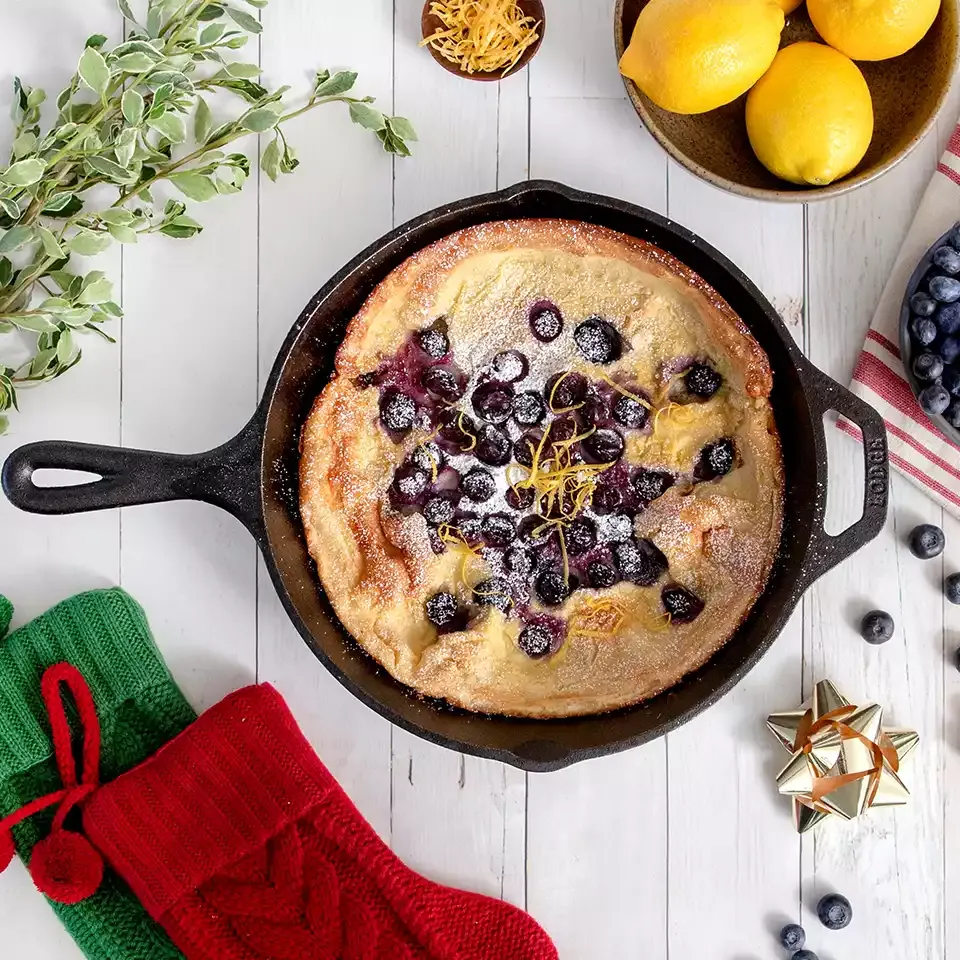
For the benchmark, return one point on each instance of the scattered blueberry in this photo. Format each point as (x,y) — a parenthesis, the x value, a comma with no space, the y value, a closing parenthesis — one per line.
(457,432)
(519,498)
(650,484)
(804,955)
(529,409)
(934,399)
(876,627)
(944,289)
(682,605)
(427,457)
(834,911)
(493,401)
(563,428)
(517,561)
(629,413)
(616,528)
(397,411)
(793,936)
(433,538)
(565,390)
(433,343)
(922,305)
(601,575)
(593,411)
(949,349)
(409,482)
(471,529)
(927,541)
(951,587)
(640,562)
(580,536)
(927,366)
(551,588)
(948,319)
(951,380)
(493,446)
(535,640)
(442,609)
(715,460)
(603,446)
(534,531)
(923,330)
(478,484)
(599,341)
(954,238)
(510,366)
(526,446)
(438,510)
(442,383)
(494,592)
(498,529)
(605,499)
(947,259)
(703,381)
(545,322)
(953,414)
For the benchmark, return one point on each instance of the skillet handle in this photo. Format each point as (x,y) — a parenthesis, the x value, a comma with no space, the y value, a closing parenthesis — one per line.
(227,477)
(827,550)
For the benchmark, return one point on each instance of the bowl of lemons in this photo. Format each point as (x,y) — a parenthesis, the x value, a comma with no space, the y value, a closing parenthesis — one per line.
(786,100)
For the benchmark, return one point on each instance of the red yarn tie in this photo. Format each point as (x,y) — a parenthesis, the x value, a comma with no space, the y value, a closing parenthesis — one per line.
(64,865)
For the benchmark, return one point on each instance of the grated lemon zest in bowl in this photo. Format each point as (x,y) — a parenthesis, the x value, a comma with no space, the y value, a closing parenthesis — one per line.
(482,36)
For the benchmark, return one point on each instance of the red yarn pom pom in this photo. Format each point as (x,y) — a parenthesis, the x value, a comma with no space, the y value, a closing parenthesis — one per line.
(66,867)
(7,850)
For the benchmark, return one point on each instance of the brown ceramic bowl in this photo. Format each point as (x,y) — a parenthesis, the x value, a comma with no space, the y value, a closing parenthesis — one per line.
(907,93)
(430,23)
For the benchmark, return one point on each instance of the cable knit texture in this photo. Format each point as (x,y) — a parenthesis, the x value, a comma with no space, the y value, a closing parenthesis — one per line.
(105,635)
(239,841)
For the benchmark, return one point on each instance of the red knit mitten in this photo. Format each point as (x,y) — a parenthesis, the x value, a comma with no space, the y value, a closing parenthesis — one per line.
(238,840)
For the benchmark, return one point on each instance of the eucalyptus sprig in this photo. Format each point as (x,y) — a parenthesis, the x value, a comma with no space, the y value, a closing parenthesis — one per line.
(133,116)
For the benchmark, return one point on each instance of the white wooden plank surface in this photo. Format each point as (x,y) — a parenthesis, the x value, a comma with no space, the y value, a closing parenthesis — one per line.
(667,851)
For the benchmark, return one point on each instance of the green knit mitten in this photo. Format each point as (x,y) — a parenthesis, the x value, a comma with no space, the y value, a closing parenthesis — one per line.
(105,635)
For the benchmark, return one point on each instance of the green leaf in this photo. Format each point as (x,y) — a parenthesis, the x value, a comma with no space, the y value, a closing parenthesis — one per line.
(259,4)
(78,317)
(50,245)
(117,215)
(392,143)
(125,10)
(96,41)
(260,120)
(62,205)
(99,291)
(4,425)
(138,46)
(65,346)
(109,307)
(235,43)
(94,71)
(270,159)
(172,78)
(123,234)
(210,12)
(23,172)
(36,323)
(86,243)
(109,169)
(171,126)
(16,238)
(402,127)
(132,107)
(366,116)
(195,186)
(244,71)
(125,146)
(6,271)
(211,33)
(333,86)
(202,121)
(135,63)
(181,228)
(10,208)
(243,19)
(24,144)
(173,208)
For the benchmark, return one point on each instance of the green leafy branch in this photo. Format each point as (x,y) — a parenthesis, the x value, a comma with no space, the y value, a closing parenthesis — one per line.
(131,117)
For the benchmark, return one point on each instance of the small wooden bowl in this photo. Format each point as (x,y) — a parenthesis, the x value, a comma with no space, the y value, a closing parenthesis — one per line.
(907,92)
(430,23)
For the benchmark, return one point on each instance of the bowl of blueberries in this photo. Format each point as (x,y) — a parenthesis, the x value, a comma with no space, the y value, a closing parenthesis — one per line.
(930,334)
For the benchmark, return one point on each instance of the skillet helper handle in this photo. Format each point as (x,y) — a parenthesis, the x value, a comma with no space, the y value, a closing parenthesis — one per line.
(227,477)
(827,550)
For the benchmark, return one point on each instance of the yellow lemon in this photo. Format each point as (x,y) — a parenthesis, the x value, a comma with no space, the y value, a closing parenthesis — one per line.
(872,29)
(789,5)
(690,56)
(810,116)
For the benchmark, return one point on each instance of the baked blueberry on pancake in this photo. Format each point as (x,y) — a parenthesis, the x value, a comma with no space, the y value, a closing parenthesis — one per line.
(545,478)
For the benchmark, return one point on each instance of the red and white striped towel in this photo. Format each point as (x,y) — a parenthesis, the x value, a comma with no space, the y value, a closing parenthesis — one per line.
(917,449)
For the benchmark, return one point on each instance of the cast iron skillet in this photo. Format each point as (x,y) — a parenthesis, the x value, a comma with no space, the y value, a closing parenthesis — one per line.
(254,477)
